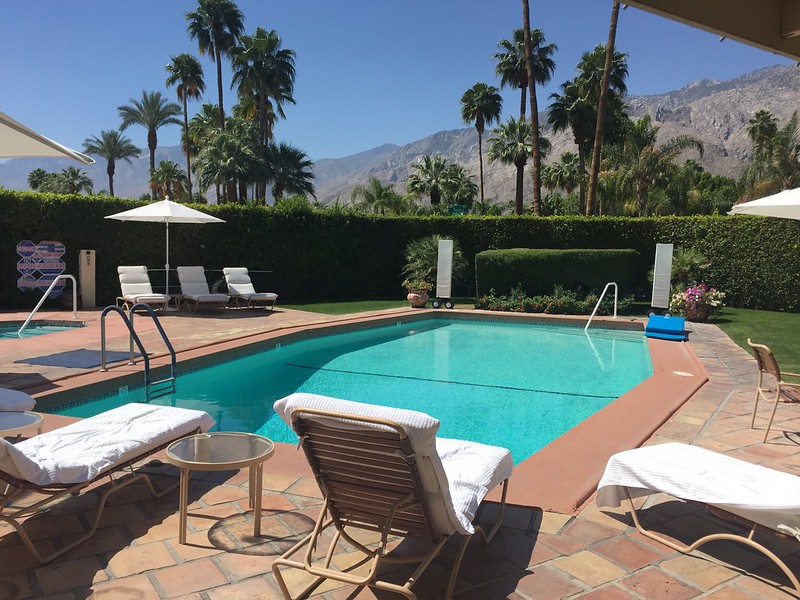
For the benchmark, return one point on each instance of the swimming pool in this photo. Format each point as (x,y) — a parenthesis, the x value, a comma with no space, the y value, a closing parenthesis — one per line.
(509,384)
(9,330)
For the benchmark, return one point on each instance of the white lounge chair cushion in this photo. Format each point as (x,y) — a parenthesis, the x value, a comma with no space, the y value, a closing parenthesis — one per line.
(15,401)
(134,281)
(762,495)
(455,474)
(240,286)
(207,297)
(85,449)
(147,298)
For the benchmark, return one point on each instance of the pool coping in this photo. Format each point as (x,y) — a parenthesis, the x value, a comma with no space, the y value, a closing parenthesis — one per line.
(558,478)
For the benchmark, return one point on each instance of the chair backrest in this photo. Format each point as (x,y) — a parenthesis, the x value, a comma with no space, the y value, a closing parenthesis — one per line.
(765,359)
(134,281)
(365,463)
(193,280)
(238,281)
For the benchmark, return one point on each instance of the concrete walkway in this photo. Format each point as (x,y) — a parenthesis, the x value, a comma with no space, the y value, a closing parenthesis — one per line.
(536,555)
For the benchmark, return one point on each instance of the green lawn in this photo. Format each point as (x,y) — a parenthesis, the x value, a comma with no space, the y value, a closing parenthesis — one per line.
(780,331)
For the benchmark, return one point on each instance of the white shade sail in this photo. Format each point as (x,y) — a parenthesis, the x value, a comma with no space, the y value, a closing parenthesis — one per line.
(784,205)
(17,141)
(166,211)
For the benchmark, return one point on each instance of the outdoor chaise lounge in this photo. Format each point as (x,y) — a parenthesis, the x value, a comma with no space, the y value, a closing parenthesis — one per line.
(384,470)
(194,288)
(782,391)
(135,285)
(62,462)
(241,289)
(762,498)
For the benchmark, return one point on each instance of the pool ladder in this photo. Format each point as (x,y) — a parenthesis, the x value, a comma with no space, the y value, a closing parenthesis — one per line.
(597,306)
(157,388)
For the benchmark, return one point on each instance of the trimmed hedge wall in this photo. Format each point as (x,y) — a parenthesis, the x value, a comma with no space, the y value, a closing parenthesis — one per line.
(337,255)
(538,271)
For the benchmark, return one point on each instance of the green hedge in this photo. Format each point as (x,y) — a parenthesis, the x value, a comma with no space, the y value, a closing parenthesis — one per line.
(336,255)
(537,271)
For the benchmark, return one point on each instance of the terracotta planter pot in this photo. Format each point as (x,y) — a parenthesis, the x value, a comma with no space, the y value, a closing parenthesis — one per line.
(418,298)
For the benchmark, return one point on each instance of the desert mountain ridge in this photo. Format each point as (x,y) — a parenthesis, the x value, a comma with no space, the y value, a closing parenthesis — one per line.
(715,112)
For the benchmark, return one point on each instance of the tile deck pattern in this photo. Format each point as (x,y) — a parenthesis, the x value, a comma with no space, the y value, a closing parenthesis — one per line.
(592,554)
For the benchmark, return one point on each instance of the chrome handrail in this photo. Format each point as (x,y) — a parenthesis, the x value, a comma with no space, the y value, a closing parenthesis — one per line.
(599,300)
(47,293)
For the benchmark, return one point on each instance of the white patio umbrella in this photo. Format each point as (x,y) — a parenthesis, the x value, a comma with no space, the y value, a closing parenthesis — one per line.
(784,205)
(16,140)
(165,212)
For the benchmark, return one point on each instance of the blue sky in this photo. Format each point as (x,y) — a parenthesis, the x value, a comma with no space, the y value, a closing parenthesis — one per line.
(368,72)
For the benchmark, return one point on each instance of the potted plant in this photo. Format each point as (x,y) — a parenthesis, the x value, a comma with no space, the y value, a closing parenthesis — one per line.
(422,256)
(417,292)
(698,302)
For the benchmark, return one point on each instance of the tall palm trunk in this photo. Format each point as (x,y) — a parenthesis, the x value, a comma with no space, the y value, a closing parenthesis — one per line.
(152,142)
(480,159)
(218,57)
(110,168)
(537,159)
(601,112)
(187,146)
(520,181)
(581,143)
(523,100)
(242,192)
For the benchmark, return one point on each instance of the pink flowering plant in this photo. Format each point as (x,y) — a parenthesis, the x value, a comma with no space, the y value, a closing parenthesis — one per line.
(698,302)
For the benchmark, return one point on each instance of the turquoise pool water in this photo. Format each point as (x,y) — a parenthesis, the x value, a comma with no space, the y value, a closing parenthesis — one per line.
(513,385)
(8,332)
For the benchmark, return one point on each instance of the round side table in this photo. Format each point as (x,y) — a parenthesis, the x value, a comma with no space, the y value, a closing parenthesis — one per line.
(14,423)
(220,451)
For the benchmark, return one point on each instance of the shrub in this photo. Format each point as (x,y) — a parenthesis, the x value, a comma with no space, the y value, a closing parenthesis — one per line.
(560,302)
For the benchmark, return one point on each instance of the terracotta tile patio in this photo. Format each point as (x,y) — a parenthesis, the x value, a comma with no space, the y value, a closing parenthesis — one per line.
(590,554)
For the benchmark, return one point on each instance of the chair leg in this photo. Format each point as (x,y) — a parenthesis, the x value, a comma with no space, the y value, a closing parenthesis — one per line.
(774,410)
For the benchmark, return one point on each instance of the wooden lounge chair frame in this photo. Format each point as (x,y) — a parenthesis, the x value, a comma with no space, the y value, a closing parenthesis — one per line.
(16,516)
(767,365)
(742,539)
(370,481)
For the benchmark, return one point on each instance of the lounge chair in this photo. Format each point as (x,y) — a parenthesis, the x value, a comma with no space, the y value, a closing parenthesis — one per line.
(135,285)
(241,289)
(194,288)
(763,498)
(782,390)
(384,470)
(65,461)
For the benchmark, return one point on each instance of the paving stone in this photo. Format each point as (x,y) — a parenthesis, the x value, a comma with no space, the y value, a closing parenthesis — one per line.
(626,552)
(655,584)
(589,567)
(140,558)
(136,587)
(543,583)
(700,573)
(190,577)
(64,575)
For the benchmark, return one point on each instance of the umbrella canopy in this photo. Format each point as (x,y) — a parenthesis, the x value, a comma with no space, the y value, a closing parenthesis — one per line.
(784,205)
(165,212)
(16,140)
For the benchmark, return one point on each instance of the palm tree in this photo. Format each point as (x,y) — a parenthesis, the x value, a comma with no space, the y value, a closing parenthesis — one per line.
(376,197)
(36,178)
(152,112)
(186,72)
(216,25)
(646,165)
(430,177)
(170,179)
(511,66)
(226,158)
(459,188)
(511,145)
(481,104)
(289,170)
(602,100)
(264,69)
(563,174)
(73,181)
(112,146)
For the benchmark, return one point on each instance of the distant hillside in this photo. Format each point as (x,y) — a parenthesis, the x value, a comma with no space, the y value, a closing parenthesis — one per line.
(713,111)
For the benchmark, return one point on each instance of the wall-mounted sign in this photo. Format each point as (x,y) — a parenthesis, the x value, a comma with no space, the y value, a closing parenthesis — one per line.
(40,264)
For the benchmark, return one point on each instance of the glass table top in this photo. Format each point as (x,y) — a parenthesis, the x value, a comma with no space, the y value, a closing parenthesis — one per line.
(221,448)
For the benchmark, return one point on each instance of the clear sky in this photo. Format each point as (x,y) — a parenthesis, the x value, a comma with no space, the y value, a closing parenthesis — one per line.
(368,71)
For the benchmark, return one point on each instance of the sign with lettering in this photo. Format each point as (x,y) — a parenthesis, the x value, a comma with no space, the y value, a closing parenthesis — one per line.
(40,264)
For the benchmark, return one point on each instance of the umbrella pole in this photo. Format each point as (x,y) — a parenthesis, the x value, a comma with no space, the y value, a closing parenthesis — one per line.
(166,266)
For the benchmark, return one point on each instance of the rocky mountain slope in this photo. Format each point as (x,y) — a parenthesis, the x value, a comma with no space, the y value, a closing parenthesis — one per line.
(713,111)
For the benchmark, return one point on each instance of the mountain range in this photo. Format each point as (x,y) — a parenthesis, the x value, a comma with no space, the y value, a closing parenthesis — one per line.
(715,112)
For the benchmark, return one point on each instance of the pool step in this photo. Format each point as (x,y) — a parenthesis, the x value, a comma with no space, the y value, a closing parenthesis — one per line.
(159,388)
